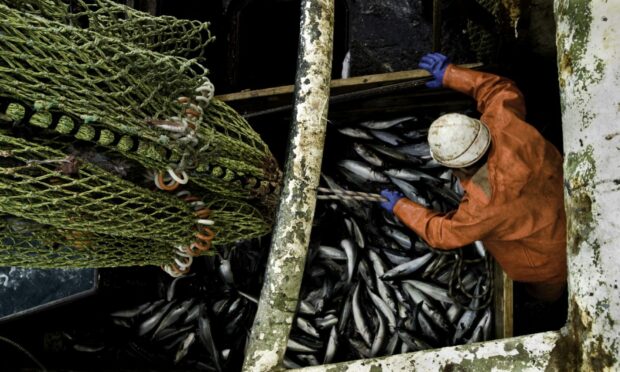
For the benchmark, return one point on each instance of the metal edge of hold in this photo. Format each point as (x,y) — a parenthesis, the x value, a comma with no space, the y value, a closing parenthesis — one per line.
(279,295)
(55,303)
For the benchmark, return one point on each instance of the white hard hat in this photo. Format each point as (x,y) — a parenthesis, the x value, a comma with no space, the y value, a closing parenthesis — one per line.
(458,141)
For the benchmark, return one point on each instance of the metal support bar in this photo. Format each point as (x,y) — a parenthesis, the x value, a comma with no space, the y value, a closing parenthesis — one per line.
(526,353)
(589,75)
(291,235)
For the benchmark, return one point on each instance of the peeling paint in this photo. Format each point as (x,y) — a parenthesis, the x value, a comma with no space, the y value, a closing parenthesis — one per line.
(579,172)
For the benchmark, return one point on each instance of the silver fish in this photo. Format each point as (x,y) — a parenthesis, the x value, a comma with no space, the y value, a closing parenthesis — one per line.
(298,347)
(407,268)
(418,150)
(396,257)
(427,328)
(355,232)
(387,137)
(415,294)
(438,293)
(249,297)
(482,329)
(355,133)
(409,174)
(332,345)
(380,336)
(172,332)
(206,337)
(416,134)
(385,124)
(332,253)
(225,271)
(326,322)
(364,272)
(130,313)
(184,347)
(413,342)
(173,315)
(309,359)
(436,315)
(384,309)
(306,327)
(359,347)
(410,191)
(345,313)
(351,252)
(360,323)
(454,313)
(363,170)
(368,155)
(384,292)
(432,163)
(392,345)
(150,323)
(393,154)
(306,308)
(399,237)
(289,364)
(480,248)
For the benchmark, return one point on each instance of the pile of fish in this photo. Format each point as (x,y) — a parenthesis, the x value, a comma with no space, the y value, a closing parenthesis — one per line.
(371,286)
(200,322)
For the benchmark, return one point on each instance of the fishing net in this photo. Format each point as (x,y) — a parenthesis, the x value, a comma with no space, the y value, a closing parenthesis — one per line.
(112,149)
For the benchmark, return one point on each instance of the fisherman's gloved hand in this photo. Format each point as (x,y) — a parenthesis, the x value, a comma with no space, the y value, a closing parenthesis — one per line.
(392,197)
(436,64)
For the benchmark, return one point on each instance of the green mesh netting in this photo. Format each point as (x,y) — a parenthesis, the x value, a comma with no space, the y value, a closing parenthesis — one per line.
(90,85)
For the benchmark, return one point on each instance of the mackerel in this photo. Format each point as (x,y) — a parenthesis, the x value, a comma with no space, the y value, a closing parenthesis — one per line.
(386,124)
(351,253)
(407,268)
(363,170)
(399,237)
(355,133)
(355,232)
(410,191)
(384,309)
(306,327)
(438,293)
(418,149)
(360,323)
(379,340)
(368,155)
(332,253)
(332,345)
(387,137)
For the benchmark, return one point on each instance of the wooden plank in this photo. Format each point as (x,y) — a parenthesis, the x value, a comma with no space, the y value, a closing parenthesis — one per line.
(354,82)
(503,304)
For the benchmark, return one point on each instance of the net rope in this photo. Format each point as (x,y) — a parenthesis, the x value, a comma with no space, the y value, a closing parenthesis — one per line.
(113,151)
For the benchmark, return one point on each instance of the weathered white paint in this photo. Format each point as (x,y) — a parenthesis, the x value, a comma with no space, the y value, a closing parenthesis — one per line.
(588,54)
(280,292)
(527,353)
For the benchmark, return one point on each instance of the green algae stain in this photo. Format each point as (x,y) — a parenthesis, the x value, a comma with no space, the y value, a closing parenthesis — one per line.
(580,171)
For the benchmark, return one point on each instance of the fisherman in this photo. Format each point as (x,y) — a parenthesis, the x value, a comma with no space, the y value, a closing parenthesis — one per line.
(512,179)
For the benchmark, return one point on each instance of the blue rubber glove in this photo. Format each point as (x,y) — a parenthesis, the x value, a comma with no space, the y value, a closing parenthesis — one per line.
(436,64)
(392,197)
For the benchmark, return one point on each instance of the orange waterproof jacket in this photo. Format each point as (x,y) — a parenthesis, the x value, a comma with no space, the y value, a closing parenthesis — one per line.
(522,222)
